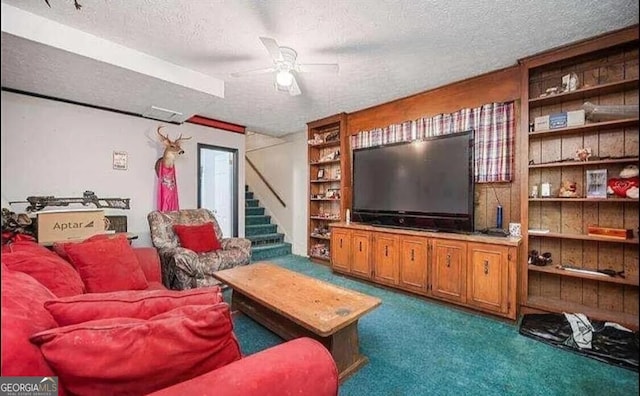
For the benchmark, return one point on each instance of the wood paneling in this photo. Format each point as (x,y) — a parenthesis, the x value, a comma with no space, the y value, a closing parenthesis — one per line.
(499,86)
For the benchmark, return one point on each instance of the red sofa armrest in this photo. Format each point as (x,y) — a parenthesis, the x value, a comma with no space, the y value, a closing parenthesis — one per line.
(298,367)
(150,263)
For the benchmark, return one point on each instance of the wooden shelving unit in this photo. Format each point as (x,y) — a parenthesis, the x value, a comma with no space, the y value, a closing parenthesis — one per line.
(607,70)
(329,170)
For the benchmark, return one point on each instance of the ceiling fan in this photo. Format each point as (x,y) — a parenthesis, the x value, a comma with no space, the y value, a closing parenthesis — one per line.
(285,67)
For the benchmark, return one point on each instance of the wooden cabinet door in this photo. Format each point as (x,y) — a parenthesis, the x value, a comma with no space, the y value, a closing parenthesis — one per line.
(385,258)
(413,264)
(341,249)
(361,245)
(488,277)
(448,274)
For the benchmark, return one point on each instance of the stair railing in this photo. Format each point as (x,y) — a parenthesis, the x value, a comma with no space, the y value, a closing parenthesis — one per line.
(265,181)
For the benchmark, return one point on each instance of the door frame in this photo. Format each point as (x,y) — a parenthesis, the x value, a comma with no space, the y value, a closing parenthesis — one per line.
(234,193)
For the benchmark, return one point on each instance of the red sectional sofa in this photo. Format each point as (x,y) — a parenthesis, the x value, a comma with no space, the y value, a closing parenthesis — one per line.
(102,322)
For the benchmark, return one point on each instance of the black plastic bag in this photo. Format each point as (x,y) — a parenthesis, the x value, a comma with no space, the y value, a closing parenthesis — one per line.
(609,344)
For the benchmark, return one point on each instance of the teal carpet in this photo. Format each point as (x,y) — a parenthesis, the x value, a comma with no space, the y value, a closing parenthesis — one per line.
(420,347)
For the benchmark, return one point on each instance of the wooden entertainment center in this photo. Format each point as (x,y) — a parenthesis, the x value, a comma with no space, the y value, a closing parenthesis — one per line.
(475,271)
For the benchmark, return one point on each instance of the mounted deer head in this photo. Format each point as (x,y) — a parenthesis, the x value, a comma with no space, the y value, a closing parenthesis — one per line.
(172,148)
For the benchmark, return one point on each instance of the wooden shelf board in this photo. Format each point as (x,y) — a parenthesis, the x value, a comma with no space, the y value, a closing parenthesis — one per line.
(583,237)
(585,163)
(335,161)
(622,123)
(555,305)
(319,237)
(558,199)
(324,180)
(550,269)
(326,144)
(586,92)
(323,218)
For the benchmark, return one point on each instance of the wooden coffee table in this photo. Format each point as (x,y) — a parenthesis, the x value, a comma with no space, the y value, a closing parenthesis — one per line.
(293,305)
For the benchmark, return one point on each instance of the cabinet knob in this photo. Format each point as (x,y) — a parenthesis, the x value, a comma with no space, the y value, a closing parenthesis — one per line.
(486,267)
(448,260)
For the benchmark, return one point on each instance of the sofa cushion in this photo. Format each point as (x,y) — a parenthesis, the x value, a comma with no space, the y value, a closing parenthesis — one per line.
(52,271)
(128,356)
(298,367)
(23,314)
(200,238)
(107,265)
(130,304)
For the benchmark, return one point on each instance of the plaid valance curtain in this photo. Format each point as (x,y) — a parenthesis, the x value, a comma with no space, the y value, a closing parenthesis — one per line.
(494,126)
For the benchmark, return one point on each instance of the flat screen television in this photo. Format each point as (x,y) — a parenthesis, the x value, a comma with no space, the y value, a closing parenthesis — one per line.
(426,184)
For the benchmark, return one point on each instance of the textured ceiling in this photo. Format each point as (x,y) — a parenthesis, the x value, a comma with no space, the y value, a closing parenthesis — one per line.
(386,50)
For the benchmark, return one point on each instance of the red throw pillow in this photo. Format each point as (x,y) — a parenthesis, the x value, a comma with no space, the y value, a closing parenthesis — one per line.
(134,357)
(200,238)
(107,265)
(59,247)
(23,314)
(26,246)
(52,271)
(130,304)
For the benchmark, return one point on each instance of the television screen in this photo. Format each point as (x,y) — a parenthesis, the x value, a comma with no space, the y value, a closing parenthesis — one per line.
(426,183)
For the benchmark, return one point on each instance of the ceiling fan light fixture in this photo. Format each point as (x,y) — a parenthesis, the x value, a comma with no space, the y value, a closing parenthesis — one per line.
(284,78)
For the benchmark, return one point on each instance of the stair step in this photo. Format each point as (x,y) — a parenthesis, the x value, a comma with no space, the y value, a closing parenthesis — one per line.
(251,230)
(255,220)
(264,239)
(248,195)
(253,211)
(259,253)
(251,203)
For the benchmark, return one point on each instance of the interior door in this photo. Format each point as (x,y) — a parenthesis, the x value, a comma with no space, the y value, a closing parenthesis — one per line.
(218,185)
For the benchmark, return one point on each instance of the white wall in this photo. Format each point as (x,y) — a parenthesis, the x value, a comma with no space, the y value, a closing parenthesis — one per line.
(60,149)
(284,166)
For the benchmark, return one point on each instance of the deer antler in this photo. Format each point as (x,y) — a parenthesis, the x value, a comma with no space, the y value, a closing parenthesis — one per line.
(180,138)
(163,137)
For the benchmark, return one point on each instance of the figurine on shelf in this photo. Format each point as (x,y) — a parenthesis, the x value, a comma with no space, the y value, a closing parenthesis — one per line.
(583,154)
(569,189)
(626,186)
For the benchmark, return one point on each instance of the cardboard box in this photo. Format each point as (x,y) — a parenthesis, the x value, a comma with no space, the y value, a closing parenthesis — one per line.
(575,118)
(541,123)
(558,120)
(68,225)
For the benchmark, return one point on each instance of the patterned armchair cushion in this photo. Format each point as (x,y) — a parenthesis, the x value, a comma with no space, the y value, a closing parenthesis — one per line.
(183,268)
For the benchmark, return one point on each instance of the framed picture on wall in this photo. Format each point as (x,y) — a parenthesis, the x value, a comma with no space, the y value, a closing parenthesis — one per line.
(120,160)
(596,183)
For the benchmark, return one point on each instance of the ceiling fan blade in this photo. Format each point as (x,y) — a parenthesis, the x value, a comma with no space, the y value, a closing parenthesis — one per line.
(317,68)
(272,47)
(254,72)
(294,89)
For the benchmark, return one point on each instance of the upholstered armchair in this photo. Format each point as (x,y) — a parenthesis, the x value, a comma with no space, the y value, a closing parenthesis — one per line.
(183,268)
